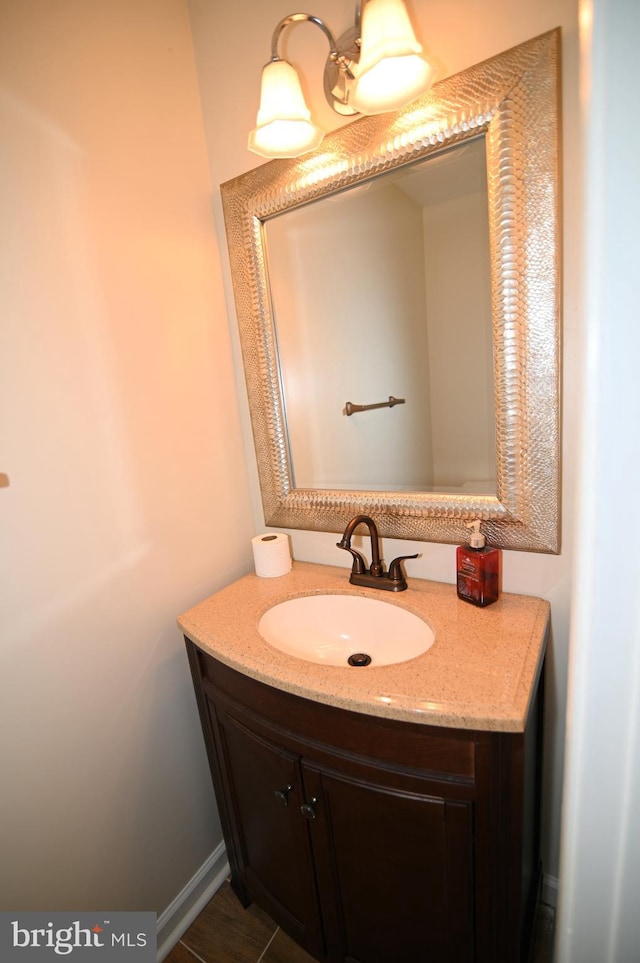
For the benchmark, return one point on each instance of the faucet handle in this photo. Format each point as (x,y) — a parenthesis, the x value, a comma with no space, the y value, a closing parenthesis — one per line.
(359,566)
(395,568)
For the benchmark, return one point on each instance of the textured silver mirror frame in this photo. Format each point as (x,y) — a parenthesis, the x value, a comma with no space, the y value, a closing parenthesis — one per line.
(513,99)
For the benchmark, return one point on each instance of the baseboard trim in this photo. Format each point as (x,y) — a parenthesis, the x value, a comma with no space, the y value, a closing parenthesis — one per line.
(549,894)
(190,901)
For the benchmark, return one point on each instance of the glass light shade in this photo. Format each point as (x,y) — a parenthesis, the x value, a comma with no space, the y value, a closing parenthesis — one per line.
(284,127)
(390,71)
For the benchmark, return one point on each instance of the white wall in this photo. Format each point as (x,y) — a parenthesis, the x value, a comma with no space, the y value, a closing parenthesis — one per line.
(232,41)
(127,499)
(599,920)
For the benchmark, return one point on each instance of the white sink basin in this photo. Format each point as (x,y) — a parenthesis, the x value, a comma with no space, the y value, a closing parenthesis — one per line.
(331,628)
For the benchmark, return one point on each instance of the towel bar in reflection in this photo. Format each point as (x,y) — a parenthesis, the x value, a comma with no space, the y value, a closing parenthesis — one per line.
(351,409)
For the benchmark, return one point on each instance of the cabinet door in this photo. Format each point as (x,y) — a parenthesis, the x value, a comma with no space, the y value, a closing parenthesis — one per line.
(264,796)
(399,867)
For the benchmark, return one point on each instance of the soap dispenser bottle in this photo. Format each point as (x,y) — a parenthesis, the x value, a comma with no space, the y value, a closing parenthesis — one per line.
(478,568)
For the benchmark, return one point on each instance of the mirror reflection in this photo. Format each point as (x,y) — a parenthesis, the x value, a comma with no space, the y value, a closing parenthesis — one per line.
(384,291)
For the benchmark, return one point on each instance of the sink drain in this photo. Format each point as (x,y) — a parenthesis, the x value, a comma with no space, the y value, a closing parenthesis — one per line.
(359,658)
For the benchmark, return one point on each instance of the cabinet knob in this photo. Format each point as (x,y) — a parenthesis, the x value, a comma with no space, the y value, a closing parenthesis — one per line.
(308,810)
(282,795)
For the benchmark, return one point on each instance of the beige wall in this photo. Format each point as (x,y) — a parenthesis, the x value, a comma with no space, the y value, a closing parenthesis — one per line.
(232,42)
(459,324)
(368,339)
(128,498)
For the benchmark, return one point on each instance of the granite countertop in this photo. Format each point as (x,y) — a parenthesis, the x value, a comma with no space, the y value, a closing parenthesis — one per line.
(479,673)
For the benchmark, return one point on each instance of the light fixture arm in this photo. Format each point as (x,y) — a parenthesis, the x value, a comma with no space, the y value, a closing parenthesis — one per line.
(341,58)
(300,18)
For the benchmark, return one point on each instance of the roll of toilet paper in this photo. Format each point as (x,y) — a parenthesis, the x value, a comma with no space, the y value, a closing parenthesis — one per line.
(271,554)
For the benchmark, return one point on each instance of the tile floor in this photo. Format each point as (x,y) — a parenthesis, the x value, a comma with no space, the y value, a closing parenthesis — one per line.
(224,932)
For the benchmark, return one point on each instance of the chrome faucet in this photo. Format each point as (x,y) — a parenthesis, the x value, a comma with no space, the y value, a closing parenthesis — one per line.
(375,576)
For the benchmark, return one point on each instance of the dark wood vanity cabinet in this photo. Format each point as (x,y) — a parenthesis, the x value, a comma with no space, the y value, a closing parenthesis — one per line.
(268,842)
(370,840)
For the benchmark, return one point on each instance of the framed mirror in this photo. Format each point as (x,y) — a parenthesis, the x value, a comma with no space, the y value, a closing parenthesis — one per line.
(345,301)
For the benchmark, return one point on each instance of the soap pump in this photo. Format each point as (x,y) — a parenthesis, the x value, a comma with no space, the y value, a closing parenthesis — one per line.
(478,569)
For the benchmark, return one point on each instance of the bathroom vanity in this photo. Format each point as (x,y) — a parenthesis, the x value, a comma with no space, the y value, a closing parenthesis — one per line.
(381,813)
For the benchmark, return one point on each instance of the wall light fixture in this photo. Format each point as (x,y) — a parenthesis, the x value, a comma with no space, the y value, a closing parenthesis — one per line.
(373,67)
